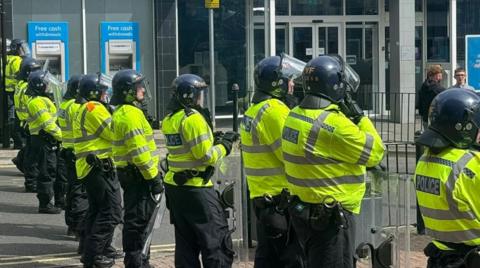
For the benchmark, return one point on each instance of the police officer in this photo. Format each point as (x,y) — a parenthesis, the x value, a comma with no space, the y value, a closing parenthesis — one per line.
(261,133)
(136,159)
(197,214)
(446,178)
(21,100)
(18,50)
(45,136)
(326,144)
(76,202)
(93,151)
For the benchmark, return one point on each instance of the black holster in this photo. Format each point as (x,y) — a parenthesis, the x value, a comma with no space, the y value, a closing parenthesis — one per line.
(320,216)
(68,154)
(49,139)
(183,176)
(105,164)
(274,221)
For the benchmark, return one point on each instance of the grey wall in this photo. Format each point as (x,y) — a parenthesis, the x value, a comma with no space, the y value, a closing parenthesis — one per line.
(166,52)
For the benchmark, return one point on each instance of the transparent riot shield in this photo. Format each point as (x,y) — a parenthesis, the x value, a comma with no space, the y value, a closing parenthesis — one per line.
(383,227)
(55,88)
(231,186)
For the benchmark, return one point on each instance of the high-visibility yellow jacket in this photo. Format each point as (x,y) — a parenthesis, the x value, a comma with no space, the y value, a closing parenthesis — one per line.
(190,145)
(20,100)
(326,154)
(66,114)
(93,135)
(447,187)
(42,114)
(11,70)
(261,137)
(133,142)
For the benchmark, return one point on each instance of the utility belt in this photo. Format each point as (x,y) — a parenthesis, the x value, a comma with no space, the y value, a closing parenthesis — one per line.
(132,172)
(105,164)
(462,256)
(183,176)
(49,139)
(320,216)
(278,202)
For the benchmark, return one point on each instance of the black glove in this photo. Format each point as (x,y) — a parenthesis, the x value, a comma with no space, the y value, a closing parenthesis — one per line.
(217,136)
(156,185)
(351,109)
(228,139)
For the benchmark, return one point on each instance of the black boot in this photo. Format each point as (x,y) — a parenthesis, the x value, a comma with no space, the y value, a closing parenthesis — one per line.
(113,253)
(103,262)
(49,209)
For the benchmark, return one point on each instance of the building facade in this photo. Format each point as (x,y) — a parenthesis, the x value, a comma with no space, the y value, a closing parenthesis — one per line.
(171,37)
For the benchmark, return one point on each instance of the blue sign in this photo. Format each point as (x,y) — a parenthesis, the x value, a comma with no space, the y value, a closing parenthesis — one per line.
(126,31)
(472,56)
(53,37)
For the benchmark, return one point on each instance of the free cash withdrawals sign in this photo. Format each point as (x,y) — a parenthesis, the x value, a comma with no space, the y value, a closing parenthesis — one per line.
(472,60)
(119,30)
(212,3)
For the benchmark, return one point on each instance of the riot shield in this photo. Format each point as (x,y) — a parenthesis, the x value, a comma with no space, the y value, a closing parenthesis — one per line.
(231,185)
(55,88)
(383,227)
(291,67)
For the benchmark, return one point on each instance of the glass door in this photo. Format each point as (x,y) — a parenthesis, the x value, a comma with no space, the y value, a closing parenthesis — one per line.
(312,40)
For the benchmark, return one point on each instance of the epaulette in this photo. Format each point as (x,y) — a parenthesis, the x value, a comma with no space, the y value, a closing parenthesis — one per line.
(189,111)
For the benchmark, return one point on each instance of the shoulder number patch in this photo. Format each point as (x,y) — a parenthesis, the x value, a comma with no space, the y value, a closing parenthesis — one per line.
(427,184)
(290,134)
(247,123)
(173,139)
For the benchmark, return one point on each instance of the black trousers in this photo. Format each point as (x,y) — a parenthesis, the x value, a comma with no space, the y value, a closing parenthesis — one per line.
(278,245)
(104,212)
(332,247)
(13,123)
(76,201)
(138,207)
(200,227)
(23,158)
(61,181)
(41,167)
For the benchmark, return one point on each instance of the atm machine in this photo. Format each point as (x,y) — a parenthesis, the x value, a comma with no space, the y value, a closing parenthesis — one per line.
(120,54)
(54,51)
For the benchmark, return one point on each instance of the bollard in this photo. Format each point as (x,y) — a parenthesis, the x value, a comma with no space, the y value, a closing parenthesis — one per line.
(235,89)
(418,153)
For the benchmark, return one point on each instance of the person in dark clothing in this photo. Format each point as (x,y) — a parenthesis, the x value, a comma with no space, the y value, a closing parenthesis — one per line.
(430,88)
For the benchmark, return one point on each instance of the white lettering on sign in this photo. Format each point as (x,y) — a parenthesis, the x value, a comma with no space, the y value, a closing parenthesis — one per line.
(47,47)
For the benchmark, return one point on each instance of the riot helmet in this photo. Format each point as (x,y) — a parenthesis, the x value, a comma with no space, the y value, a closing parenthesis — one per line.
(128,87)
(272,74)
(190,90)
(328,76)
(72,87)
(27,66)
(42,83)
(454,118)
(19,47)
(92,87)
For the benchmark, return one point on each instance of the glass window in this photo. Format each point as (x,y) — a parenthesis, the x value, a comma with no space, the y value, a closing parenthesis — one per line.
(281,7)
(362,7)
(315,7)
(229,40)
(281,41)
(468,22)
(437,30)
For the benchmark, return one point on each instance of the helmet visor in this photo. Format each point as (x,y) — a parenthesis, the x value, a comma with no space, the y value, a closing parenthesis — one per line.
(54,88)
(105,80)
(143,92)
(351,78)
(200,97)
(291,67)
(24,49)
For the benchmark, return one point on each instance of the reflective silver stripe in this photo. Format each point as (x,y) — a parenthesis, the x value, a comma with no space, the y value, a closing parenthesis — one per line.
(133,133)
(44,124)
(262,148)
(100,151)
(146,166)
(264,171)
(155,153)
(118,143)
(68,123)
(186,164)
(255,122)
(301,117)
(37,115)
(367,150)
(198,140)
(325,182)
(313,136)
(68,140)
(97,132)
(454,236)
(210,153)
(312,160)
(440,214)
(119,158)
(457,168)
(82,123)
(139,151)
(149,138)
(181,150)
